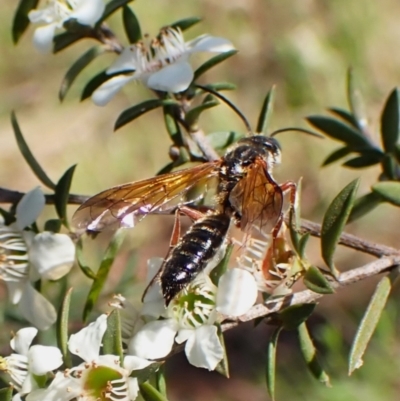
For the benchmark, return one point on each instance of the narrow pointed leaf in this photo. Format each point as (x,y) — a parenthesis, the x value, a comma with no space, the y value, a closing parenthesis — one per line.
(390,167)
(339,131)
(309,353)
(28,156)
(294,218)
(390,121)
(131,25)
(334,221)
(219,86)
(363,161)
(337,155)
(53,225)
(136,111)
(302,244)
(65,39)
(111,7)
(172,126)
(77,67)
(315,281)
(271,362)
(150,393)
(355,100)
(193,115)
(223,366)
(6,393)
(86,270)
(102,273)
(295,315)
(344,115)
(61,194)
(186,23)
(266,111)
(112,341)
(62,328)
(21,20)
(365,204)
(213,62)
(388,191)
(368,324)
(161,383)
(95,82)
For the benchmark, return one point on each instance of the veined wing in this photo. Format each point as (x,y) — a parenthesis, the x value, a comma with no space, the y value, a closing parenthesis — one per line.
(258,198)
(125,205)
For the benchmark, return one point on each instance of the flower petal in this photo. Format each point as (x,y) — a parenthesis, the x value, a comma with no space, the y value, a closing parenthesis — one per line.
(36,308)
(21,342)
(153,301)
(105,92)
(204,350)
(207,43)
(124,62)
(43,359)
(88,12)
(29,384)
(132,362)
(43,38)
(237,292)
(29,208)
(172,78)
(52,255)
(154,340)
(15,290)
(86,343)
(133,388)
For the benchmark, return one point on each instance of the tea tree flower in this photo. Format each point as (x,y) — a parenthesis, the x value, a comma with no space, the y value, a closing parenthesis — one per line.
(99,377)
(28,362)
(56,12)
(191,318)
(26,257)
(162,65)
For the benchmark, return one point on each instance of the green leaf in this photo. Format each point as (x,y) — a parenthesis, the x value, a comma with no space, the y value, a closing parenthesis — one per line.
(77,67)
(172,125)
(266,111)
(295,315)
(21,20)
(271,362)
(6,393)
(65,39)
(355,100)
(344,115)
(222,266)
(309,353)
(221,140)
(340,131)
(336,155)
(223,366)
(61,194)
(136,111)
(102,273)
(334,221)
(62,328)
(294,218)
(186,23)
(363,161)
(53,225)
(193,115)
(28,156)
(218,86)
(166,169)
(95,82)
(364,204)
(390,121)
(111,7)
(212,62)
(315,281)
(131,25)
(161,383)
(388,191)
(86,270)
(150,393)
(390,167)
(368,323)
(302,244)
(112,340)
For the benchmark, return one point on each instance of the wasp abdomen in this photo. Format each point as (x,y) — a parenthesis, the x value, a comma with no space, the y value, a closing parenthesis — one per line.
(196,249)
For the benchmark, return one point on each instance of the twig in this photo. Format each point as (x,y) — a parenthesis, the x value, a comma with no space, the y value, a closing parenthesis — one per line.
(202,142)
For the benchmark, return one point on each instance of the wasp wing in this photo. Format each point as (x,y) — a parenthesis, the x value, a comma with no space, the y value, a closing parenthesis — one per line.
(258,198)
(125,205)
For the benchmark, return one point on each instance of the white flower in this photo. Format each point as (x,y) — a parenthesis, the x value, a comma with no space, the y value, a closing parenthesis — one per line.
(29,361)
(161,65)
(99,377)
(56,12)
(26,257)
(191,317)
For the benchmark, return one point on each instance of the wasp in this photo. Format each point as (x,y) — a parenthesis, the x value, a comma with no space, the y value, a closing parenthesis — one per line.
(246,193)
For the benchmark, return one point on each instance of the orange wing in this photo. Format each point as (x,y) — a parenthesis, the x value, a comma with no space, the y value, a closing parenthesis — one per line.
(258,198)
(125,205)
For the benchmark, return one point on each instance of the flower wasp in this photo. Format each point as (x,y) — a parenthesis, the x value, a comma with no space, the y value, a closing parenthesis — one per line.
(246,193)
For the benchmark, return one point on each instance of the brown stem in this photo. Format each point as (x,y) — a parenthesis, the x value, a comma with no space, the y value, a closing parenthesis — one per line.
(202,142)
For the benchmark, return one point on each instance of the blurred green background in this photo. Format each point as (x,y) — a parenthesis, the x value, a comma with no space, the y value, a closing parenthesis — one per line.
(304,48)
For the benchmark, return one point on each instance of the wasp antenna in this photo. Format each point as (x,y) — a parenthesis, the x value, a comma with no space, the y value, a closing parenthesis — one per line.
(229,103)
(303,130)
